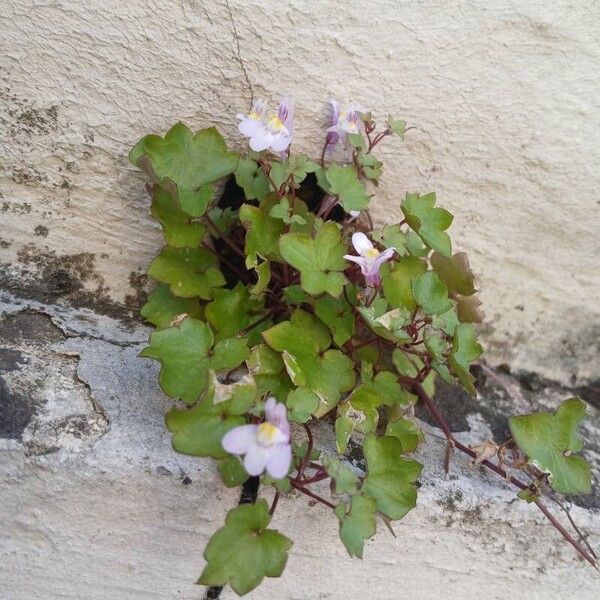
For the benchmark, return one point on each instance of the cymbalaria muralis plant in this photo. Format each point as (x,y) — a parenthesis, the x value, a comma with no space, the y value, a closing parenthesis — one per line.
(273,279)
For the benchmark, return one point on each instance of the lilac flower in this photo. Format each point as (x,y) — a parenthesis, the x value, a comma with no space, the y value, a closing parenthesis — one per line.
(342,123)
(266,445)
(369,259)
(274,131)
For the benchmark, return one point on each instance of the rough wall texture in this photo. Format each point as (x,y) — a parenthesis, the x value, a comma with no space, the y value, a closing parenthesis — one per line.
(505,96)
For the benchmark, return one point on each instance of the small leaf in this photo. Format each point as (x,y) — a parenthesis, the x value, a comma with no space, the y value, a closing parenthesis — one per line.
(548,441)
(344,183)
(284,212)
(162,307)
(357,524)
(407,432)
(250,176)
(396,126)
(183,162)
(244,551)
(178,228)
(455,272)
(390,477)
(392,236)
(428,221)
(346,482)
(389,325)
(430,293)
(465,349)
(262,231)
(319,260)
(301,403)
(447,321)
(336,313)
(397,281)
(184,354)
(467,309)
(198,431)
(294,294)
(232,471)
(263,271)
(189,271)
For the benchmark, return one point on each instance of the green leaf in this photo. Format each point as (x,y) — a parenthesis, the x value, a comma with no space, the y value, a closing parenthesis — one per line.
(294,294)
(162,307)
(465,349)
(346,482)
(232,471)
(337,315)
(296,166)
(428,221)
(189,271)
(390,477)
(430,293)
(344,183)
(302,403)
(284,212)
(268,370)
(455,272)
(178,228)
(184,354)
(372,167)
(319,260)
(392,236)
(244,551)
(223,218)
(389,325)
(357,524)
(407,432)
(415,246)
(358,413)
(396,126)
(527,495)
(263,271)
(183,162)
(548,441)
(232,310)
(198,431)
(447,321)
(250,176)
(304,342)
(262,231)
(397,281)
(344,426)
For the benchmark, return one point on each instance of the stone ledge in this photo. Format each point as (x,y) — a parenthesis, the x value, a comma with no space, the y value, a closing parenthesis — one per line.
(111,510)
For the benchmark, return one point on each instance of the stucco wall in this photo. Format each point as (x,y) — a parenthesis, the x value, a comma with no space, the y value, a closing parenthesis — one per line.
(505,97)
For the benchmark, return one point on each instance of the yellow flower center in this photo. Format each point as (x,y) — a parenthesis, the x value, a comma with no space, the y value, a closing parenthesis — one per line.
(254,115)
(267,434)
(276,124)
(372,253)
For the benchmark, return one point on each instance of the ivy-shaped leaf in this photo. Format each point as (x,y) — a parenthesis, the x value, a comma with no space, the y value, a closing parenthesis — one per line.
(304,342)
(198,431)
(396,126)
(467,309)
(358,523)
(262,231)
(302,403)
(465,349)
(336,313)
(187,355)
(319,260)
(430,293)
(428,221)
(345,184)
(392,236)
(250,176)
(296,166)
(232,310)
(397,281)
(344,480)
(390,478)
(232,471)
(284,212)
(407,431)
(183,162)
(371,166)
(189,271)
(389,325)
(447,321)
(162,307)
(455,272)
(263,271)
(178,228)
(549,441)
(268,371)
(358,413)
(244,551)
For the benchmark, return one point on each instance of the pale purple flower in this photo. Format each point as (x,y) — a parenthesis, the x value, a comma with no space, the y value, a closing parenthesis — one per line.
(266,446)
(274,131)
(369,259)
(342,122)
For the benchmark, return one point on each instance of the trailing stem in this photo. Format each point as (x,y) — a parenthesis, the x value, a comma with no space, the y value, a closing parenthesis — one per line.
(415,387)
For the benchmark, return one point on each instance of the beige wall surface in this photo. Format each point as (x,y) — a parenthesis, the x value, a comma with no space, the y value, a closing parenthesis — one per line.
(505,97)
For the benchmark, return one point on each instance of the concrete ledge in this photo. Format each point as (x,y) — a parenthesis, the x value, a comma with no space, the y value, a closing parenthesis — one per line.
(96,504)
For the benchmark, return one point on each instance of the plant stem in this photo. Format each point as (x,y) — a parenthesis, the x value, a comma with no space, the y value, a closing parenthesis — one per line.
(238,272)
(415,387)
(301,488)
(274,503)
(225,238)
(250,327)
